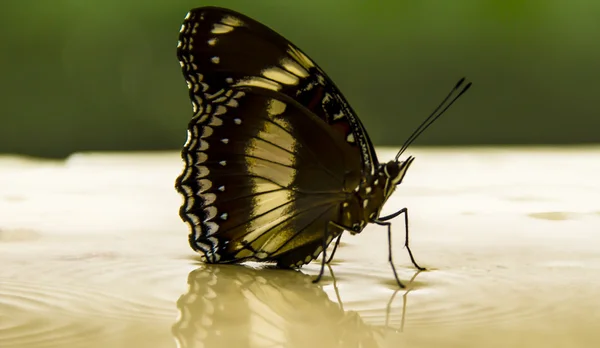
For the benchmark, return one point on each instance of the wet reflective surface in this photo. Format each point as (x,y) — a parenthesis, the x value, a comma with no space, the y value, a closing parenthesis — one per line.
(93,254)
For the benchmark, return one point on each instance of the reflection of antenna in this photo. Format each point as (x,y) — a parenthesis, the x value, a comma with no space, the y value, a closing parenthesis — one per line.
(389,305)
(388,308)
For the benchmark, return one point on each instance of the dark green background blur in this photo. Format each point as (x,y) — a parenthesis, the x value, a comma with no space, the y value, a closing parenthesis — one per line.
(102,75)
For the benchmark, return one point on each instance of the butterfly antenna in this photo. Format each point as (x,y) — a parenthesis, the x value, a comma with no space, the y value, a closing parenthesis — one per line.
(439,111)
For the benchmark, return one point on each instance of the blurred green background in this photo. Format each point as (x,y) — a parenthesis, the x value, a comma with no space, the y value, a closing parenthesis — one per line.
(102,75)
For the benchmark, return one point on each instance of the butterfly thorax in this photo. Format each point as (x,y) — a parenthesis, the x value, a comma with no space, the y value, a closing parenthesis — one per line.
(365,203)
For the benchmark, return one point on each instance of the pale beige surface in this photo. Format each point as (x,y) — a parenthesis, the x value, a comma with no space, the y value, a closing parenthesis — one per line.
(93,254)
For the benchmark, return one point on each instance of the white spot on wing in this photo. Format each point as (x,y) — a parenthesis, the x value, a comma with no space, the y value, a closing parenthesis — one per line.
(210,212)
(219,28)
(211,228)
(203,171)
(202,157)
(280,75)
(259,82)
(350,138)
(300,57)
(204,185)
(220,99)
(275,107)
(203,144)
(215,121)
(294,67)
(261,255)
(215,95)
(215,60)
(232,21)
(206,132)
(209,198)
(220,110)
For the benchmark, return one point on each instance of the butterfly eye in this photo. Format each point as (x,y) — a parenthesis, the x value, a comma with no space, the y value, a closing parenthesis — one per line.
(391,169)
(356,227)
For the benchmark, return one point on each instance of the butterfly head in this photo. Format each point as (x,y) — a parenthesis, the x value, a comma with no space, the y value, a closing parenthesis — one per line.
(395,170)
(389,176)
(373,192)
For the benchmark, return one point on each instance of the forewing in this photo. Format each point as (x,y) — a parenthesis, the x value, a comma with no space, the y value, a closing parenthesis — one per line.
(229,49)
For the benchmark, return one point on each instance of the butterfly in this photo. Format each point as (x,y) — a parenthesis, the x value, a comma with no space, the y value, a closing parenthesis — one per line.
(277,163)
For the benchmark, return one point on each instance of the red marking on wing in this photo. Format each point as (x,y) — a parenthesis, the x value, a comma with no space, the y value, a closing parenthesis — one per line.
(316,98)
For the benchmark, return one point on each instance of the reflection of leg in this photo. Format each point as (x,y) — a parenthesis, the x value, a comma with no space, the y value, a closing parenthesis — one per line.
(335,288)
(391,216)
(404,299)
(337,242)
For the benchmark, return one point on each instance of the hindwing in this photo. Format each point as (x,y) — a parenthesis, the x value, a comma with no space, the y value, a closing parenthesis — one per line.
(262,179)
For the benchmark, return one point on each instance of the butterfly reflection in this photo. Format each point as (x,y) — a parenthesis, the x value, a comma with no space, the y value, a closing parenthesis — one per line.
(228,306)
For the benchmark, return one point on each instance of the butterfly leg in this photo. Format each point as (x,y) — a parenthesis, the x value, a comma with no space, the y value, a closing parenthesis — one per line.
(337,242)
(390,259)
(406,245)
(324,246)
